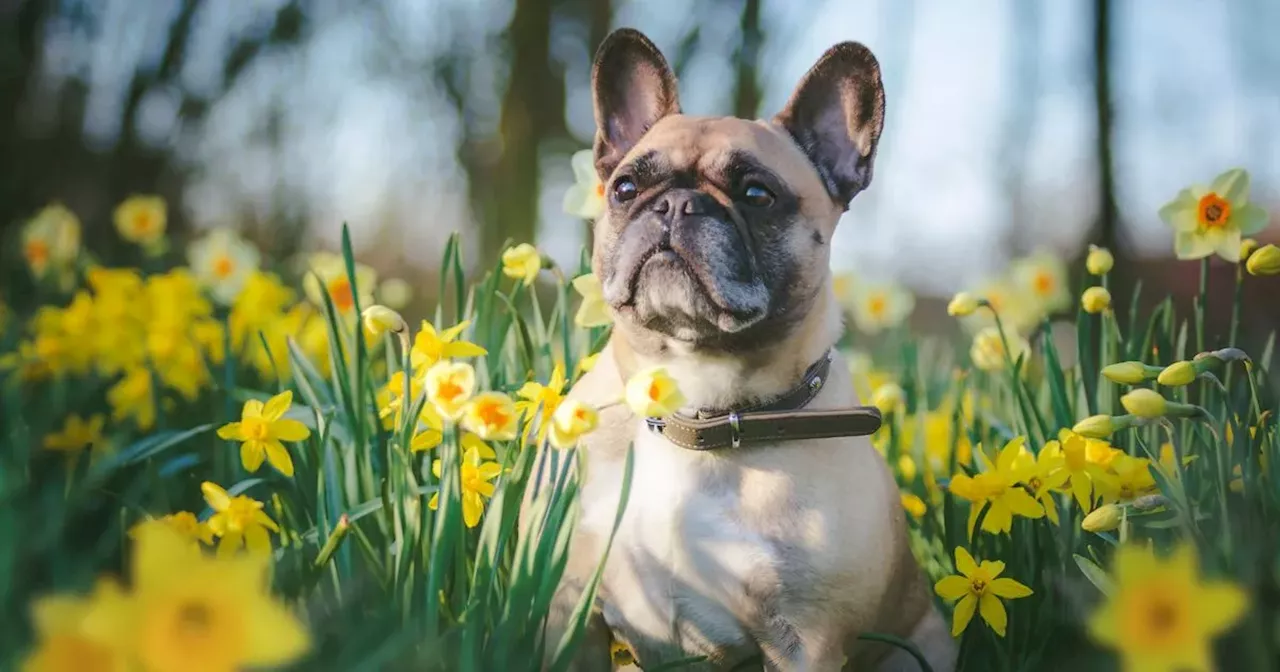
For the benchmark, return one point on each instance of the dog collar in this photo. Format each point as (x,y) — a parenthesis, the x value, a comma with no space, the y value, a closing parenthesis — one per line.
(783,419)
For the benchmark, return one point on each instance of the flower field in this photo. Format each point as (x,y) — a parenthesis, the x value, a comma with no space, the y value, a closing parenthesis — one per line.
(214,461)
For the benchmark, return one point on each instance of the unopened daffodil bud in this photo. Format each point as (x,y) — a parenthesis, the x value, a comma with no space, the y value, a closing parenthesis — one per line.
(963,304)
(1247,247)
(887,398)
(1101,426)
(379,320)
(1095,300)
(1130,373)
(1266,261)
(1178,374)
(1099,261)
(1105,518)
(1145,403)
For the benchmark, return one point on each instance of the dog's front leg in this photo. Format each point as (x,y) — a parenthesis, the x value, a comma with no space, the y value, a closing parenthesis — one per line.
(802,648)
(593,654)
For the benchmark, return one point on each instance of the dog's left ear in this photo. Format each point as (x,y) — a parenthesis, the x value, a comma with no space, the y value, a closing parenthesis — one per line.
(632,87)
(836,115)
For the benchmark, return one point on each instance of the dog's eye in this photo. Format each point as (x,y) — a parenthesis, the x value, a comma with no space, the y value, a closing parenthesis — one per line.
(757,195)
(624,189)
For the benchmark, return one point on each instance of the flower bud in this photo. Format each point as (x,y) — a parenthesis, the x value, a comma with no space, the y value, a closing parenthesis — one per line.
(1103,519)
(1178,374)
(1099,261)
(1095,300)
(1247,247)
(1095,427)
(1266,261)
(1145,403)
(962,304)
(379,320)
(887,398)
(1130,373)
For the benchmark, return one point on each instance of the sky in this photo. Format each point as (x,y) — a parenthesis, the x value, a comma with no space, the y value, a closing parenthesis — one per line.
(366,138)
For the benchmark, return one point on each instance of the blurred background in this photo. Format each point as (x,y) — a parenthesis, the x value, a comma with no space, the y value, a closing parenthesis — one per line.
(1012,126)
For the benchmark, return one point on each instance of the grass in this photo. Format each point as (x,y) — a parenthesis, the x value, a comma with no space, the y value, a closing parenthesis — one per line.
(384,581)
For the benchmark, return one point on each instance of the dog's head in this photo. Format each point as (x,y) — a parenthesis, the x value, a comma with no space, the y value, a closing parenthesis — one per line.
(717,229)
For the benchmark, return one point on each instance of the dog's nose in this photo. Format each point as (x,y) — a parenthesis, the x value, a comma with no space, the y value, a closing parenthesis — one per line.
(679,203)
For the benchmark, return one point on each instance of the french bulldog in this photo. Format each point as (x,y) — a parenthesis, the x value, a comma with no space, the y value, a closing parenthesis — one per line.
(713,255)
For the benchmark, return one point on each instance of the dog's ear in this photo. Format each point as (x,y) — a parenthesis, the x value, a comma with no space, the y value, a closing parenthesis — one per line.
(835,115)
(632,88)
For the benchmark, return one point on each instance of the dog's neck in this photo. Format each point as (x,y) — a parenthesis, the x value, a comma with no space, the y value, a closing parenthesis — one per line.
(727,380)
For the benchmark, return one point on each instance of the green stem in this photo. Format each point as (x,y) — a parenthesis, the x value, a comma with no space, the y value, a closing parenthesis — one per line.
(1200,303)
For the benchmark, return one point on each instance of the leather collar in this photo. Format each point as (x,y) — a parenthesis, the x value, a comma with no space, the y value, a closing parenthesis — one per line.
(783,419)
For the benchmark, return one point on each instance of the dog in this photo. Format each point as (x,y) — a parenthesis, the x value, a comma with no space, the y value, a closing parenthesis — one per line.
(713,255)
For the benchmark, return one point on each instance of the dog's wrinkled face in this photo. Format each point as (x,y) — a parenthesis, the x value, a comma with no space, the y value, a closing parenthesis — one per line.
(717,230)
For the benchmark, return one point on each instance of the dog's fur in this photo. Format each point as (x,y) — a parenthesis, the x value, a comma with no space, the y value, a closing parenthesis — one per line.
(779,553)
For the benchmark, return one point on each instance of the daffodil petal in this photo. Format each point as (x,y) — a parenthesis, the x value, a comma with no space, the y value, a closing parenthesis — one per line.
(952,587)
(489,470)
(279,457)
(472,508)
(229,544)
(1219,605)
(1232,185)
(1180,213)
(230,431)
(1023,504)
(215,496)
(257,540)
(434,502)
(1008,589)
(993,613)
(286,429)
(274,636)
(1249,219)
(252,453)
(965,563)
(992,568)
(463,349)
(963,614)
(1193,245)
(277,405)
(261,518)
(1228,245)
(252,409)
(583,163)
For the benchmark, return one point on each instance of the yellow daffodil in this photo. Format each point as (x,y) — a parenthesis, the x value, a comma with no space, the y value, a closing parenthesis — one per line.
(913,505)
(1177,374)
(998,488)
(392,400)
(1266,261)
(142,219)
(1129,478)
(184,523)
(593,311)
(260,431)
(1130,373)
(379,320)
(449,386)
(571,421)
(522,262)
(477,486)
(65,638)
(979,588)
(1105,518)
(77,434)
(132,399)
(1043,476)
(1099,261)
(888,398)
(1215,218)
(190,612)
(534,396)
(492,416)
(1095,300)
(51,239)
(988,349)
(430,346)
(430,431)
(585,198)
(238,521)
(653,393)
(1082,473)
(1043,278)
(395,293)
(328,275)
(223,262)
(1017,311)
(879,306)
(1144,403)
(963,304)
(1162,614)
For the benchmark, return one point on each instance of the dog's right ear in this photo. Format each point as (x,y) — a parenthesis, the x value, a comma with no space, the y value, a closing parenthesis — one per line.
(632,88)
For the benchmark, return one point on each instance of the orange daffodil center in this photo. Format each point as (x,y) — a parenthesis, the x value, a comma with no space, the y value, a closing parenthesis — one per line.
(1213,211)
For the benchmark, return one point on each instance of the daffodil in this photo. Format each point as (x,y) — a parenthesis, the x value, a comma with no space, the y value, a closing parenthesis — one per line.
(142,219)
(998,489)
(1215,218)
(1044,475)
(392,400)
(585,198)
(522,262)
(539,402)
(395,293)
(1043,278)
(979,588)
(189,612)
(879,306)
(430,346)
(329,276)
(449,386)
(571,421)
(1095,300)
(51,239)
(1144,403)
(132,398)
(238,521)
(1130,478)
(429,431)
(1130,373)
(1081,472)
(65,638)
(477,484)
(1177,374)
(379,320)
(1266,261)
(888,398)
(260,431)
(963,304)
(78,434)
(223,262)
(593,311)
(653,393)
(184,523)
(988,349)
(1005,298)
(1099,261)
(1105,518)
(492,416)
(1162,615)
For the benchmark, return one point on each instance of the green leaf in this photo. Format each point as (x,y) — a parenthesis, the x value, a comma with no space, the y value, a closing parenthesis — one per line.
(1095,574)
